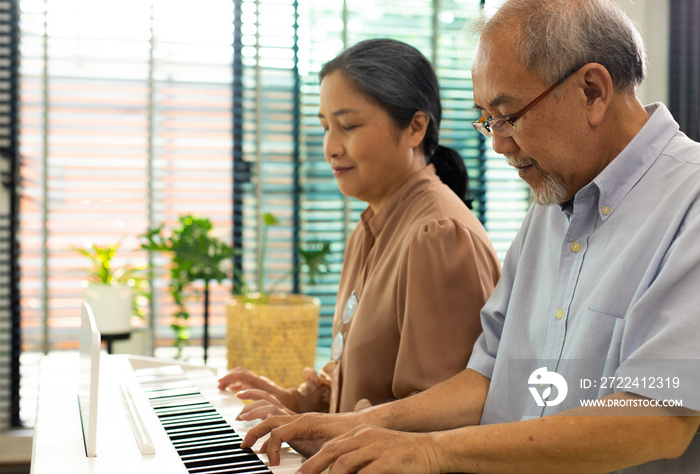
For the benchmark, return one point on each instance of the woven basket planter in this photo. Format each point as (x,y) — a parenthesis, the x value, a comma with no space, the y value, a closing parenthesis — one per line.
(277,339)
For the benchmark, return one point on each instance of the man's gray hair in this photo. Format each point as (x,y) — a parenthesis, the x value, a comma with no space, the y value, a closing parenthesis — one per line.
(555,36)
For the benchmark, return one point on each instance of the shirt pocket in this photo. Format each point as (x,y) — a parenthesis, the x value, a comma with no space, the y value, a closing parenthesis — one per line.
(595,335)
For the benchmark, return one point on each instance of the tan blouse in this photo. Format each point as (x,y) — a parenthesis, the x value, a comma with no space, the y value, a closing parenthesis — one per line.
(421,269)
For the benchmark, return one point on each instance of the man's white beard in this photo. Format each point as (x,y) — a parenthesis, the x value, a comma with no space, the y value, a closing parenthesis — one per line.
(550,193)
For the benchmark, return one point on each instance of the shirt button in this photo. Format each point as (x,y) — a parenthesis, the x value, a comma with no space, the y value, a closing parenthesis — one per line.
(559,314)
(575,247)
(605,210)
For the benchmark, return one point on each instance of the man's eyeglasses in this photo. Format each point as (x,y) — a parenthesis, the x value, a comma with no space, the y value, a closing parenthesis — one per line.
(505,126)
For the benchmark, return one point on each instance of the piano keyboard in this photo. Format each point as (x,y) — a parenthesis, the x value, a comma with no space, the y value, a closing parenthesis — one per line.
(205,442)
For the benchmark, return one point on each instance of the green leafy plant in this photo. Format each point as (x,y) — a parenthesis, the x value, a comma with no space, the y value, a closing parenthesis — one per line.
(313,255)
(103,271)
(196,255)
(268,220)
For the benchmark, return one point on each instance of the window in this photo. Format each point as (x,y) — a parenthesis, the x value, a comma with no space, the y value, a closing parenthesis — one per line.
(126,124)
(684,90)
(323,29)
(136,112)
(9,165)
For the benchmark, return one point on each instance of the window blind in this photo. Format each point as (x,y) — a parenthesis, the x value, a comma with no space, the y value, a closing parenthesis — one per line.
(126,124)
(684,78)
(9,165)
(267,162)
(136,112)
(435,28)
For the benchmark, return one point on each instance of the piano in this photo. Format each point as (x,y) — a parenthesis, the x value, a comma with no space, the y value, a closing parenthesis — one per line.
(153,416)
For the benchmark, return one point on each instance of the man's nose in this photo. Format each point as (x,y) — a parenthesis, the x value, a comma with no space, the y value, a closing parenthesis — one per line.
(503,145)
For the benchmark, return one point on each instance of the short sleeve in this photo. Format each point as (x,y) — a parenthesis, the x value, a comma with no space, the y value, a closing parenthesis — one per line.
(446,276)
(662,327)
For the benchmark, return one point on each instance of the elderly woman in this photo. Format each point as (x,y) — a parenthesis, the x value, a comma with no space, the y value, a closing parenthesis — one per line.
(417,268)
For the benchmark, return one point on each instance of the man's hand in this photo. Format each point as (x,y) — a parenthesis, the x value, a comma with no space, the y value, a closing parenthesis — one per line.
(377,450)
(305,433)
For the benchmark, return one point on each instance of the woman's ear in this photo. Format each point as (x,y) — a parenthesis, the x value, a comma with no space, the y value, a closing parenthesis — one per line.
(599,90)
(417,128)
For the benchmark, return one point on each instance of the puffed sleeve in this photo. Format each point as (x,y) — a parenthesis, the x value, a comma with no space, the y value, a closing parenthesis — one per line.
(448,273)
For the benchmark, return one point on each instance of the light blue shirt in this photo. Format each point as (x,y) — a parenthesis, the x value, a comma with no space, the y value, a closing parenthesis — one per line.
(608,296)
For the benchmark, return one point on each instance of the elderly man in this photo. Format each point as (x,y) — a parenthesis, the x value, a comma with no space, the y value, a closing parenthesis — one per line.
(600,295)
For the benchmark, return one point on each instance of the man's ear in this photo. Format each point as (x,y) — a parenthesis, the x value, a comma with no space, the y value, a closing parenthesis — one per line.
(417,128)
(599,90)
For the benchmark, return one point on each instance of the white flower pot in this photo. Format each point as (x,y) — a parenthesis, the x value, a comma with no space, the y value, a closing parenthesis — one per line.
(112,307)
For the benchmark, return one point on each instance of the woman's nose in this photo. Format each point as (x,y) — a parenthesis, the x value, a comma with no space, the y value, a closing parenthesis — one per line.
(332,147)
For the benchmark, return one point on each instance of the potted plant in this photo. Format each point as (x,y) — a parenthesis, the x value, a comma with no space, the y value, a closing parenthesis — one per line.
(272,333)
(196,255)
(111,289)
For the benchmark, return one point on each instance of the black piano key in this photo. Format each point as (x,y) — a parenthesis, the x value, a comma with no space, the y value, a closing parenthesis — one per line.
(235,465)
(187,423)
(173,412)
(177,420)
(192,422)
(228,469)
(224,428)
(178,443)
(183,410)
(184,391)
(205,442)
(202,434)
(228,441)
(212,457)
(178,402)
(210,448)
(262,469)
(192,436)
(234,461)
(231,438)
(192,427)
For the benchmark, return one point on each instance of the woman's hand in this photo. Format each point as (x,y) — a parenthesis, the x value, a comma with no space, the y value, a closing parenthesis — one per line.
(264,404)
(271,399)
(243,379)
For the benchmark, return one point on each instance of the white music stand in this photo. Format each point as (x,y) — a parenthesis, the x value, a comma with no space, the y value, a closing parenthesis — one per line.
(88,378)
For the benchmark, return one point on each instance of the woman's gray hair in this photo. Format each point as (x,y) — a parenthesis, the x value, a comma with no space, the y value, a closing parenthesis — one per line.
(399,78)
(555,36)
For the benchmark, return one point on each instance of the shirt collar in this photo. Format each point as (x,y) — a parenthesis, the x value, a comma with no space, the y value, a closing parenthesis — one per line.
(623,172)
(374,223)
